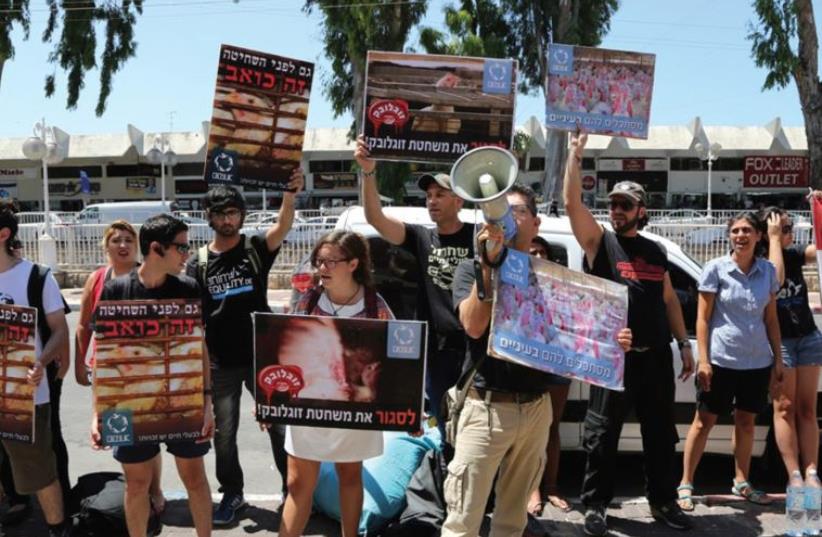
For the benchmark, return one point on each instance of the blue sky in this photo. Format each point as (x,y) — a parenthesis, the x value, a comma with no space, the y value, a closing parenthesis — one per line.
(703,65)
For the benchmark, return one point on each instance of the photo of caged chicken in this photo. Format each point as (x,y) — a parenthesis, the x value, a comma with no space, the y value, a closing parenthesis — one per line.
(258,126)
(17,399)
(138,376)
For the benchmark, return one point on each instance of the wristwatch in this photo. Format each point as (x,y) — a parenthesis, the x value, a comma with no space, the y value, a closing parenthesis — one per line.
(683,343)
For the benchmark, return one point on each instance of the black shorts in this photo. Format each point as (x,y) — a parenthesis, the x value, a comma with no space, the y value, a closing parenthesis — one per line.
(185,449)
(743,389)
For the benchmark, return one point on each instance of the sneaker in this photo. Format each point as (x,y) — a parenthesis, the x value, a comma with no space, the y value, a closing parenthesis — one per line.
(672,516)
(595,524)
(64,530)
(226,512)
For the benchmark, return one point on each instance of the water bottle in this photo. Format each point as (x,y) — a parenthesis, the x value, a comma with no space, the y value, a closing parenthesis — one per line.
(795,506)
(813,501)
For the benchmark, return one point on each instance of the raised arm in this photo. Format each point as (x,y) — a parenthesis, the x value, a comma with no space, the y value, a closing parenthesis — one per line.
(586,229)
(775,246)
(279,229)
(389,228)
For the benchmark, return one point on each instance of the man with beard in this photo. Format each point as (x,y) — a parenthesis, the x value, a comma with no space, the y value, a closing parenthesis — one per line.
(233,274)
(438,252)
(625,256)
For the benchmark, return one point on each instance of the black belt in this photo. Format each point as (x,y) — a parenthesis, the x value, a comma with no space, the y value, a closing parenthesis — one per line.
(491,396)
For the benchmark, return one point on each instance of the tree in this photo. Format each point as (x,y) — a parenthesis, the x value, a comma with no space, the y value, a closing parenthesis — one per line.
(349,32)
(521,29)
(785,43)
(11,12)
(75,49)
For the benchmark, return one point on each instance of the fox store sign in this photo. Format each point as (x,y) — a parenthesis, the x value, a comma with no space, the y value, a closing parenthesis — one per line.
(770,172)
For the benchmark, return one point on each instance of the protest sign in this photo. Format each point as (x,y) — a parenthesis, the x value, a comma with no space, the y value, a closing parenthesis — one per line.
(553,319)
(18,329)
(148,371)
(599,91)
(339,372)
(430,108)
(258,121)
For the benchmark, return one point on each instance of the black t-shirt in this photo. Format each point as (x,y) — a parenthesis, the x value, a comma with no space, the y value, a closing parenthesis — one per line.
(129,287)
(641,264)
(438,256)
(231,292)
(494,374)
(795,316)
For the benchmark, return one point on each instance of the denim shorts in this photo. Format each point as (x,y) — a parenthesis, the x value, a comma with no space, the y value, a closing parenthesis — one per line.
(805,350)
(185,449)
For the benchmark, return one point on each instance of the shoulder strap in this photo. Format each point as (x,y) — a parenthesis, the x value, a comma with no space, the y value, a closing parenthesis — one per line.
(371,308)
(256,264)
(311,300)
(202,263)
(34,291)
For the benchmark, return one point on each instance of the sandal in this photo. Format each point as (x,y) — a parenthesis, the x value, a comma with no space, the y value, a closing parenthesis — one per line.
(559,502)
(686,499)
(536,507)
(746,490)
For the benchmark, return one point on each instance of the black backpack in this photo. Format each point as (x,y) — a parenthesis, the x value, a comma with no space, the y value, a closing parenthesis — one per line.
(99,507)
(34,292)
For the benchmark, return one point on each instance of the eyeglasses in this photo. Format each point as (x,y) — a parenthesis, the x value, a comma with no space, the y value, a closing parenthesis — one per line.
(625,205)
(182,247)
(522,209)
(787,229)
(228,214)
(330,263)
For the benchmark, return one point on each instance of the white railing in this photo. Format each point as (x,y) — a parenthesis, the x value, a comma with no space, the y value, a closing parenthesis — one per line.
(79,248)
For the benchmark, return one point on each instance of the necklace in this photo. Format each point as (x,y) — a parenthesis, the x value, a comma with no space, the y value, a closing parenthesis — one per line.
(335,311)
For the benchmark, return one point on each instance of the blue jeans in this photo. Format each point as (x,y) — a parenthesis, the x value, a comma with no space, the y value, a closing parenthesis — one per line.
(227,385)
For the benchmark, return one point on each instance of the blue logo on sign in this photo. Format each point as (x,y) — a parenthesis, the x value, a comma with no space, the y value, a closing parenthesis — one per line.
(118,428)
(496,76)
(404,340)
(560,59)
(515,269)
(222,166)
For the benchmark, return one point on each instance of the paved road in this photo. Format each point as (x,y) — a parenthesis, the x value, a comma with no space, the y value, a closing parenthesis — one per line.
(718,514)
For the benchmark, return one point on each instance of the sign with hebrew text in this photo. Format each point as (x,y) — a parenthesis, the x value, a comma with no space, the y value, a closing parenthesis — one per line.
(18,330)
(148,371)
(339,372)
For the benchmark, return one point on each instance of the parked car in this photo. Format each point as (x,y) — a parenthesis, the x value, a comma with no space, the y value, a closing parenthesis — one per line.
(311,229)
(397,277)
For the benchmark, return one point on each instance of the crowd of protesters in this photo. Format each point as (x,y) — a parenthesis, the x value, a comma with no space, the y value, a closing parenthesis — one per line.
(755,331)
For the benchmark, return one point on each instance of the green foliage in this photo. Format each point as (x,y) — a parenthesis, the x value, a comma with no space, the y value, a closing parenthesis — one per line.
(76,49)
(522,143)
(349,32)
(476,28)
(772,40)
(12,12)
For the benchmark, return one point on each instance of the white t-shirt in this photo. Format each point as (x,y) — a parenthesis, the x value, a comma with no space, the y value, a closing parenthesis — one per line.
(14,290)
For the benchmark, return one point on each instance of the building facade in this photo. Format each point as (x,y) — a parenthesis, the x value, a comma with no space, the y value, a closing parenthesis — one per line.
(755,165)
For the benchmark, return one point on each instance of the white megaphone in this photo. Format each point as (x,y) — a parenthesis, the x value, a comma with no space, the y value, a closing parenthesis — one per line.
(483,176)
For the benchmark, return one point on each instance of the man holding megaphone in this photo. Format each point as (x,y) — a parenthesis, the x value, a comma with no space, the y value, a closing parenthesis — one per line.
(438,251)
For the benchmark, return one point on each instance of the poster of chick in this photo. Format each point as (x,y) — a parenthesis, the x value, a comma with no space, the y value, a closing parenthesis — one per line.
(339,372)
(554,319)
(148,371)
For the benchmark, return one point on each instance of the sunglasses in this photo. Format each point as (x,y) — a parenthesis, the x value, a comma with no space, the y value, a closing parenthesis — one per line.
(330,263)
(787,229)
(625,205)
(228,214)
(182,247)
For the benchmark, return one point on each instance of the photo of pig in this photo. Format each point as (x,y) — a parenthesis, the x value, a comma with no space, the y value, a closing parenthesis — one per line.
(17,355)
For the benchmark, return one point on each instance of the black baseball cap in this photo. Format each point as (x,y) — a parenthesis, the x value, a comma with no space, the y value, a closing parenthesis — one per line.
(630,190)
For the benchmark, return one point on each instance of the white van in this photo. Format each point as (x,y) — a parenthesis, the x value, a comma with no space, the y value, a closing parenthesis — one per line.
(396,275)
(134,212)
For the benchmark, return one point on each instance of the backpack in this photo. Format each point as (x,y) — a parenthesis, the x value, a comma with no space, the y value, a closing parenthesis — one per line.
(99,506)
(34,292)
(425,508)
(253,257)
(369,295)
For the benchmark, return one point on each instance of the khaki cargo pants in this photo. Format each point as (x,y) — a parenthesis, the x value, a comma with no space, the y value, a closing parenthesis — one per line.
(509,437)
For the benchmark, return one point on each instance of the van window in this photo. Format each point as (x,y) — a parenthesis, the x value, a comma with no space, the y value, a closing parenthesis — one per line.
(395,276)
(686,291)
(90,213)
(557,253)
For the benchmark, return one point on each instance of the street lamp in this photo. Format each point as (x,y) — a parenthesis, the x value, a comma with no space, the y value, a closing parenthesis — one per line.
(162,154)
(709,154)
(43,146)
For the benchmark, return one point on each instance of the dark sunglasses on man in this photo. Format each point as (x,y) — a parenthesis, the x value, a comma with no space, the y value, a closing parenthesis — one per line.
(625,205)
